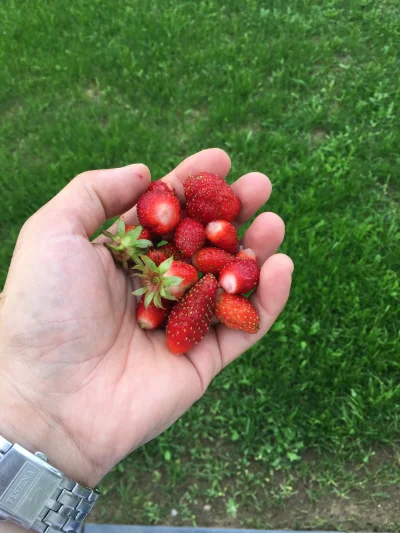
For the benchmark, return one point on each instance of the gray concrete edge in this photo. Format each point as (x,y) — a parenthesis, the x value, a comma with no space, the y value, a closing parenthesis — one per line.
(109,528)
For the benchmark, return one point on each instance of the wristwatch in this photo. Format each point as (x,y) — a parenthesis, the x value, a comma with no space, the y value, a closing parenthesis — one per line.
(37,496)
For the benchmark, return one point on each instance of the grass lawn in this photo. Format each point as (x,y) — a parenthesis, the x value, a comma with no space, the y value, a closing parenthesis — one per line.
(303,431)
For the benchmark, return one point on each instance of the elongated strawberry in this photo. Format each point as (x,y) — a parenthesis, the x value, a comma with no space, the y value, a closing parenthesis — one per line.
(189,236)
(128,242)
(211,260)
(239,276)
(160,186)
(157,256)
(247,253)
(170,280)
(209,199)
(190,319)
(170,250)
(224,235)
(237,312)
(159,212)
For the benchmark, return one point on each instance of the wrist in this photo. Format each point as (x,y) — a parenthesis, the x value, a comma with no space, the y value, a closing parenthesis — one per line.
(9,527)
(25,422)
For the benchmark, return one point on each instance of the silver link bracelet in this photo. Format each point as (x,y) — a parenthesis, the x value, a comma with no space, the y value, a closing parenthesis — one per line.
(37,496)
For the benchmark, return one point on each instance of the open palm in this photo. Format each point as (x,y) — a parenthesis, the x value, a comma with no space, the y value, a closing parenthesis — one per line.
(81,375)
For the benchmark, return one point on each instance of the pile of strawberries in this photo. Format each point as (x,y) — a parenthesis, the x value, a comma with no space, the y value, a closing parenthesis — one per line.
(192,272)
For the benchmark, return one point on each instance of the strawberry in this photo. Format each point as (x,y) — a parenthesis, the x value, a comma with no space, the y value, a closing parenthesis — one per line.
(224,235)
(239,276)
(170,250)
(128,242)
(157,256)
(237,312)
(190,319)
(210,198)
(160,186)
(247,253)
(202,179)
(211,260)
(169,280)
(159,212)
(189,236)
(145,232)
(152,317)
(209,205)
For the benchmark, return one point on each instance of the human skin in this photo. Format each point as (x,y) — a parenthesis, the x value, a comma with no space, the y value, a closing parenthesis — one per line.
(79,380)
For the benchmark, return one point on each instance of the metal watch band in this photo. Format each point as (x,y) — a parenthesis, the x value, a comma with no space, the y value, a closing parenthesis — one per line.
(41,497)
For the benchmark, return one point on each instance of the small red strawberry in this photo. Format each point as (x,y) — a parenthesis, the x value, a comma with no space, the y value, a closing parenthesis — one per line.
(224,235)
(128,242)
(239,276)
(152,317)
(189,236)
(211,260)
(159,212)
(237,312)
(160,186)
(157,256)
(201,180)
(209,199)
(247,253)
(209,205)
(190,319)
(145,232)
(170,250)
(170,280)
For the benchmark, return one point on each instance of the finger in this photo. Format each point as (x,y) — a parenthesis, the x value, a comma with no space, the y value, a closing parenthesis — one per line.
(253,189)
(264,236)
(211,160)
(269,299)
(93,197)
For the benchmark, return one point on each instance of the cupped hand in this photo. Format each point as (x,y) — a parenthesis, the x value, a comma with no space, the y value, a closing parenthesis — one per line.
(79,380)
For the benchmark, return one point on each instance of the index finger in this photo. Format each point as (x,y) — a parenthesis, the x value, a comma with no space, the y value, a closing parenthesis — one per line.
(212,160)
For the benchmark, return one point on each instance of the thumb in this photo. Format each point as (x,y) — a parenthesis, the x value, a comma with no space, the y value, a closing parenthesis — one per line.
(93,197)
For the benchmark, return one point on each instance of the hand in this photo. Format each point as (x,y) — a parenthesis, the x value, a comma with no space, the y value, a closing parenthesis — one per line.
(78,379)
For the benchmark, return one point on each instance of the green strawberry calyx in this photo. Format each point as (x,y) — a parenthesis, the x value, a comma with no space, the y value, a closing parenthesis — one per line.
(126,245)
(155,284)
